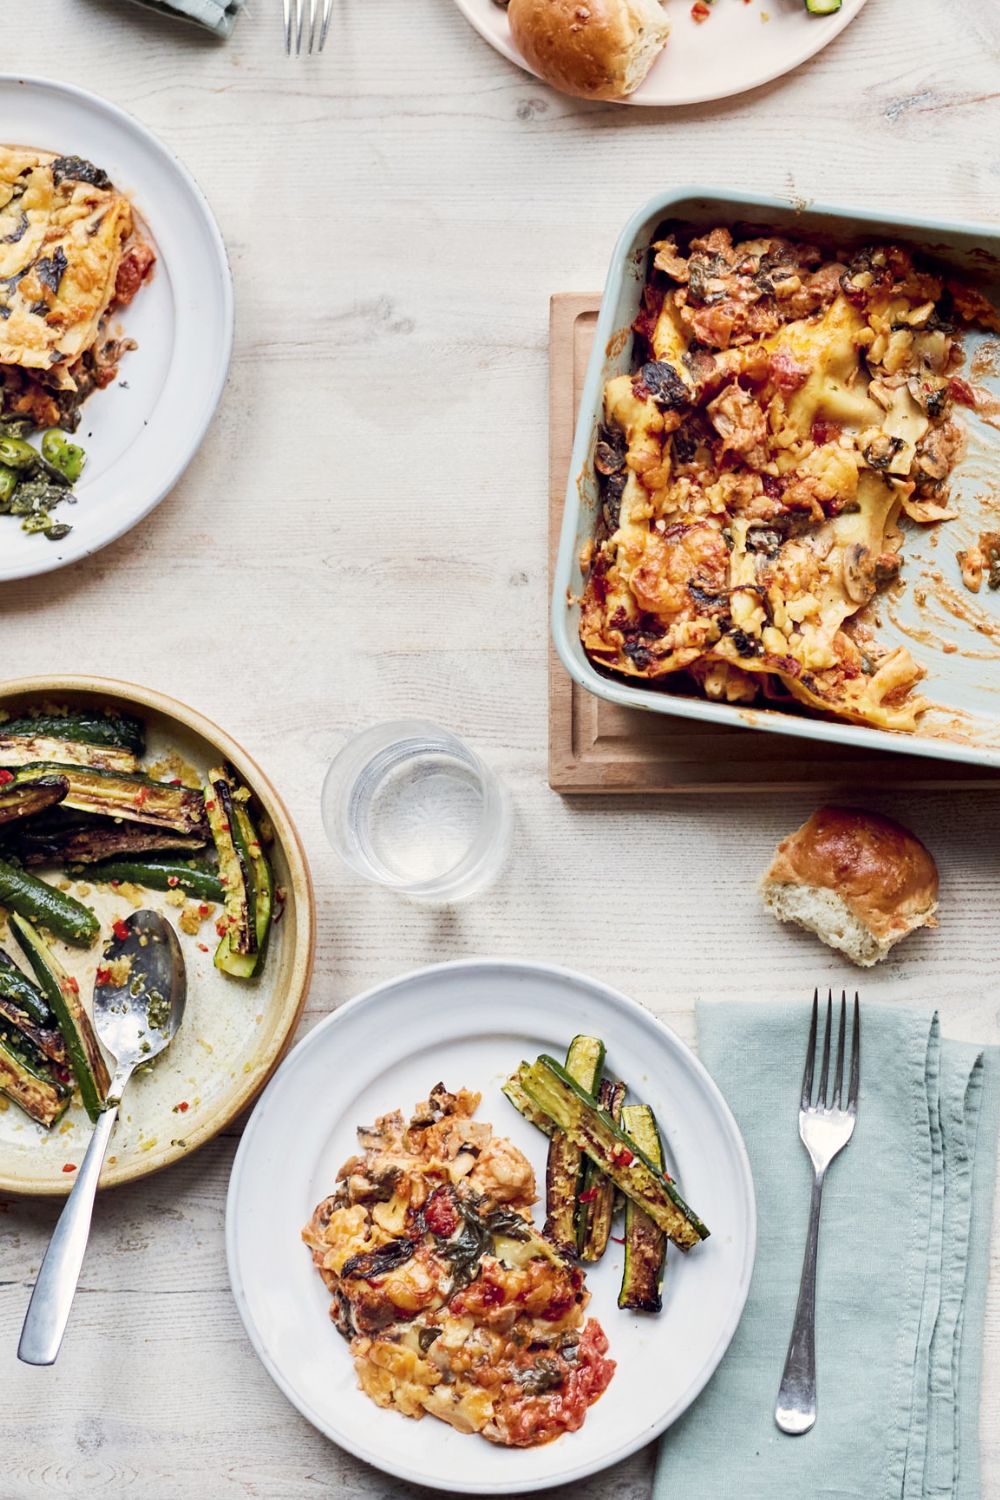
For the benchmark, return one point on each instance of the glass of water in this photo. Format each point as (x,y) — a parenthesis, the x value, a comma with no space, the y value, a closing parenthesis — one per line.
(408,805)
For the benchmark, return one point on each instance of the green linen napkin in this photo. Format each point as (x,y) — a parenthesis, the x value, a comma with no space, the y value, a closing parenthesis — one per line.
(903,1261)
(217,15)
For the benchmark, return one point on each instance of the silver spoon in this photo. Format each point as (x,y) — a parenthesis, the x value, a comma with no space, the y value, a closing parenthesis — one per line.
(134,1021)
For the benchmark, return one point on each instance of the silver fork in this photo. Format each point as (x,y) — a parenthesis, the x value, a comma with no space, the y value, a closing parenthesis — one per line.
(825,1128)
(294,14)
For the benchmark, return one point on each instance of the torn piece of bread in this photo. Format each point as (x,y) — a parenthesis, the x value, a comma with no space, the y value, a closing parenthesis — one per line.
(595,49)
(859,881)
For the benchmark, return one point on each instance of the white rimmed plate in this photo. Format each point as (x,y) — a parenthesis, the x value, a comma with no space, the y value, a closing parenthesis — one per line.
(140,433)
(741,45)
(469,1024)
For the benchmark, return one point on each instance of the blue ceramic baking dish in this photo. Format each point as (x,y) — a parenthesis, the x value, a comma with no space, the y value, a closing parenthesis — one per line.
(958,641)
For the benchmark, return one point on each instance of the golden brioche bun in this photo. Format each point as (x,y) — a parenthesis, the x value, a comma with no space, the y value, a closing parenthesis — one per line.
(859,881)
(595,49)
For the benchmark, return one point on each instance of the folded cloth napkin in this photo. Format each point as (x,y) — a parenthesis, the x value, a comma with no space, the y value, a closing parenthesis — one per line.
(903,1261)
(217,15)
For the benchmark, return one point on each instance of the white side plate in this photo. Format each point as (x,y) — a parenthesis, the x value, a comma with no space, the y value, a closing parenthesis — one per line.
(142,432)
(742,44)
(469,1024)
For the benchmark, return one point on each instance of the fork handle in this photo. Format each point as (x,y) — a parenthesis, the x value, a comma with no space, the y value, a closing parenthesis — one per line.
(795,1410)
(55,1288)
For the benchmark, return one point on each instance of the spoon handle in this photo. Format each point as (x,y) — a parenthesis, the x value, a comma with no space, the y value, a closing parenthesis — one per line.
(48,1311)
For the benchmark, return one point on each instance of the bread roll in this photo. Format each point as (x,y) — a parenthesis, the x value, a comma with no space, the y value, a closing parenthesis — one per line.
(595,49)
(859,881)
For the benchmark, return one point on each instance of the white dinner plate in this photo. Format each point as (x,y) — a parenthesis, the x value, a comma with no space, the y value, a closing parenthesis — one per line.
(469,1024)
(742,44)
(140,433)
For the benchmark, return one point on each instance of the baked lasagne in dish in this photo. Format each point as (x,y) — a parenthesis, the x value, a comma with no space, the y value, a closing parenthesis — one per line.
(789,404)
(452,1302)
(70,257)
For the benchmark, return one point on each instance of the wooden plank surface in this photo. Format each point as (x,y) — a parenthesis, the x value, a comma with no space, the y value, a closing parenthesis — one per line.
(363,536)
(596,746)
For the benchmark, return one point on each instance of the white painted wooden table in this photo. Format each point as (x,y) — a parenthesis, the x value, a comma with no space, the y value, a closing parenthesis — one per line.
(363,535)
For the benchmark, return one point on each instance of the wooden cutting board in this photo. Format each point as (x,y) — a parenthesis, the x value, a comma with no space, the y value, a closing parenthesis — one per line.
(595,746)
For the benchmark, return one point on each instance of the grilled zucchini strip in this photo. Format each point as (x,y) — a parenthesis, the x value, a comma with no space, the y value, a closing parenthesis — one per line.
(253,858)
(83,727)
(17,802)
(53,909)
(63,995)
(25,1078)
(564,1168)
(239,923)
(113,794)
(596,1205)
(551,1089)
(645,1244)
(17,989)
(27,749)
(165,872)
(514,1092)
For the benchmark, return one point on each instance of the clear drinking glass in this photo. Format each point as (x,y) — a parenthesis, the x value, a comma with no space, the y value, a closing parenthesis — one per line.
(408,805)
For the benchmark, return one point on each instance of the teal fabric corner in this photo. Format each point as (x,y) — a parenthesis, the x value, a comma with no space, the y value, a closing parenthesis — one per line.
(216,15)
(903,1261)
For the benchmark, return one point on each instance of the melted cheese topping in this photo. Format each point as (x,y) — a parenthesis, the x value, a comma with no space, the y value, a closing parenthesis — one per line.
(61,244)
(791,406)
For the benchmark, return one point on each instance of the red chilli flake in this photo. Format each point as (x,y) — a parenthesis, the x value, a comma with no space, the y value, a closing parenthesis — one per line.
(588,1196)
(619,1239)
(203,947)
(173,880)
(183,1106)
(700,12)
(5,777)
(142,796)
(623,1157)
(69,1166)
(103,976)
(119,929)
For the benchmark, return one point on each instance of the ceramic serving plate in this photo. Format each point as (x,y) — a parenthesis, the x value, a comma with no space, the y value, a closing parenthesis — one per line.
(954,634)
(741,44)
(140,433)
(469,1024)
(233,1032)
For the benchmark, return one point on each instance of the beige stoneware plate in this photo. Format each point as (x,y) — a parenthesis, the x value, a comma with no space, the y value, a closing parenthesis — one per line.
(234,1033)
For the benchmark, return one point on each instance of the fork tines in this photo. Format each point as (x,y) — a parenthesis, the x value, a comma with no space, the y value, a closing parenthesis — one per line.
(294,14)
(824,1098)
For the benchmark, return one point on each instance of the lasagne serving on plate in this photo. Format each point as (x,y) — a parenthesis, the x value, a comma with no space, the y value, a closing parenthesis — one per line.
(789,404)
(453,1304)
(71,255)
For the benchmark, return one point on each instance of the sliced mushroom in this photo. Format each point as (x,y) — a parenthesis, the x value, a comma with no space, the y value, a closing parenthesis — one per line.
(859,573)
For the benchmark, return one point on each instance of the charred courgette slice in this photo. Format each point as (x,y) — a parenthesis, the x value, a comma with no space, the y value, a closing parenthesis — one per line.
(84,727)
(17,988)
(167,872)
(645,1244)
(596,1203)
(18,801)
(551,1089)
(53,909)
(253,878)
(137,799)
(26,1078)
(564,1167)
(63,995)
(238,926)
(514,1092)
(28,749)
(45,1039)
